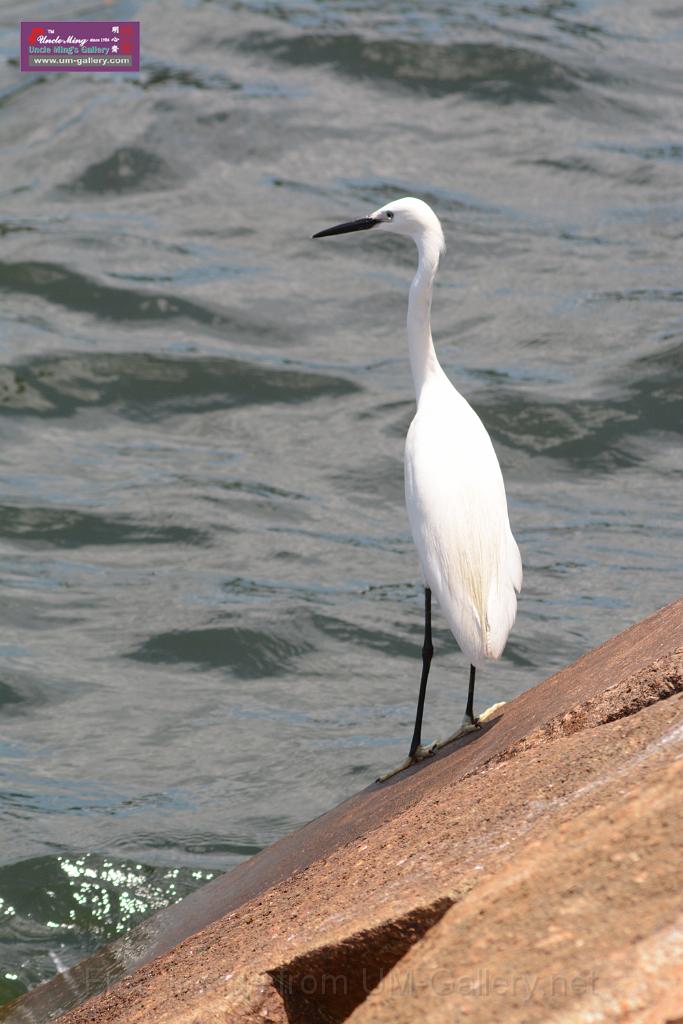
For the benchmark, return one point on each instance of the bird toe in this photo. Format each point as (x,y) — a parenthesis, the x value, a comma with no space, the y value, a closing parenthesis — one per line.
(422,752)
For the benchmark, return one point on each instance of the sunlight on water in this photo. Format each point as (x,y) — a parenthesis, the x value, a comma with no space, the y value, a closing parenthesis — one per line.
(65,906)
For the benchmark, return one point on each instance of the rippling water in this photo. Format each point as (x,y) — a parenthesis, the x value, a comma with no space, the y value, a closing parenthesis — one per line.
(210,602)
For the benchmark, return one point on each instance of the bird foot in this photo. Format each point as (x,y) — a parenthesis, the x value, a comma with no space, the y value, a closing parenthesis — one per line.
(422,752)
(491,711)
(467,726)
(470,725)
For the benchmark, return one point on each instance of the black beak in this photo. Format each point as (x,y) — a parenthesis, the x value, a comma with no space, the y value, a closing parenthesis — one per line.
(350,225)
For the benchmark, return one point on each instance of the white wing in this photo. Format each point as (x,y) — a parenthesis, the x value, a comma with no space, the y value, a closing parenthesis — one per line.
(458,515)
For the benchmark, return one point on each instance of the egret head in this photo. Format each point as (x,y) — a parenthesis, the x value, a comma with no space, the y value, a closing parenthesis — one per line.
(407,216)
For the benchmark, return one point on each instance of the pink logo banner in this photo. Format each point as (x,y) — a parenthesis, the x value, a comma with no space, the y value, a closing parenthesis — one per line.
(80,45)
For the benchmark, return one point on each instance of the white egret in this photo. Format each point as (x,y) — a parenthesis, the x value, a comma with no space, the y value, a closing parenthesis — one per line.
(454,488)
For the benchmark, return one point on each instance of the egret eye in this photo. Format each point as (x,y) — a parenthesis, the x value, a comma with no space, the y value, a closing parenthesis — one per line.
(390,215)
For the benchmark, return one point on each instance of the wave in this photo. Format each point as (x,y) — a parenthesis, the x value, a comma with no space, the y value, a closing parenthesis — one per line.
(487,71)
(141,386)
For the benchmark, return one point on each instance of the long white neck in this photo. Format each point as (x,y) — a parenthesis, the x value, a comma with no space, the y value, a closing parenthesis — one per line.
(423,361)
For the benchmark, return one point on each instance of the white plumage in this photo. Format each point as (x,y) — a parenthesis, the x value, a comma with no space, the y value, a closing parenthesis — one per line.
(454,488)
(458,517)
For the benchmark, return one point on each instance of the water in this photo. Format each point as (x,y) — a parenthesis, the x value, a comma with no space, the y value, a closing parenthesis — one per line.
(210,602)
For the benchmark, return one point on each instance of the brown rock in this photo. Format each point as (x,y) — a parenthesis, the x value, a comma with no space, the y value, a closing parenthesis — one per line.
(530,872)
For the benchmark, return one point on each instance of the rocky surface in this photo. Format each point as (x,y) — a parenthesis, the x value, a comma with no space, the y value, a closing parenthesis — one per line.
(530,872)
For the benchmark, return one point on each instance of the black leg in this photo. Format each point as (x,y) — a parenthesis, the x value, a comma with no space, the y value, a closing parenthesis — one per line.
(469,710)
(427,652)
